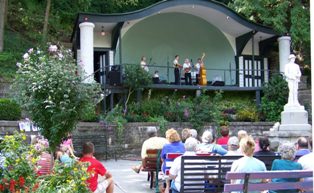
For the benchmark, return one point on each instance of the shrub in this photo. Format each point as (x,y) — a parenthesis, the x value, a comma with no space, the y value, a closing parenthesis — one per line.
(249,115)
(89,114)
(9,110)
(275,97)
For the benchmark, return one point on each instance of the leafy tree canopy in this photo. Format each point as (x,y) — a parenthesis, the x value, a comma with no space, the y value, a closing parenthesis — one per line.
(291,17)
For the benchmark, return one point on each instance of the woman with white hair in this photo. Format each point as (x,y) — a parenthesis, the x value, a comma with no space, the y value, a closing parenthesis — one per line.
(208,144)
(287,152)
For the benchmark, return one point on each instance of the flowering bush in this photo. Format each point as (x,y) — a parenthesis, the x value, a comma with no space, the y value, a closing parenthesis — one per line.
(65,178)
(18,169)
(48,87)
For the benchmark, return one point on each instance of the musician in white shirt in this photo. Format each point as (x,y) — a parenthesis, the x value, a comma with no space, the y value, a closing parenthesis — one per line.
(187,71)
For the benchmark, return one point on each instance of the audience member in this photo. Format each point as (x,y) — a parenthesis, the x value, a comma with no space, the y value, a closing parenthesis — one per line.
(175,146)
(208,144)
(302,147)
(306,162)
(96,168)
(153,142)
(185,134)
(65,156)
(233,146)
(194,133)
(175,170)
(225,136)
(242,134)
(264,147)
(67,141)
(287,152)
(247,163)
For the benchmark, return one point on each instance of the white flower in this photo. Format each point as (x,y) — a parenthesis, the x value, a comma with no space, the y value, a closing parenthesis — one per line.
(18,65)
(60,55)
(30,50)
(26,56)
(53,48)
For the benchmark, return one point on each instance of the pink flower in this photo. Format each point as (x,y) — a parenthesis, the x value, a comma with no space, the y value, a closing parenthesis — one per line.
(53,48)
(31,50)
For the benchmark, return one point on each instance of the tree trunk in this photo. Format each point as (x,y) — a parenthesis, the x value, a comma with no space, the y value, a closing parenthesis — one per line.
(2,16)
(45,30)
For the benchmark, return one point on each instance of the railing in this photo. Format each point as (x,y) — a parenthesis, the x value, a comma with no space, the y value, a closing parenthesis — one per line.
(229,77)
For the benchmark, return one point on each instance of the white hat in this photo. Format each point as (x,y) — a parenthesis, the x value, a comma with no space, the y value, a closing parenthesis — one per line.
(291,56)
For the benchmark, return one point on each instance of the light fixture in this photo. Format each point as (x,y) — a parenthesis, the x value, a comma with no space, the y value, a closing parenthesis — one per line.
(102,33)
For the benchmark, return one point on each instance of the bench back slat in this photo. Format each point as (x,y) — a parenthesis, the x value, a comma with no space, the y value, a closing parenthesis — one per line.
(271,174)
(305,185)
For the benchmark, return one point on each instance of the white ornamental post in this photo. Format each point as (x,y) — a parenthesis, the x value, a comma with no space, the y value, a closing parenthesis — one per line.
(284,51)
(87,51)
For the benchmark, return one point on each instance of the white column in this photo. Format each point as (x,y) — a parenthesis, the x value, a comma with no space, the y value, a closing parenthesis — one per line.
(87,51)
(284,51)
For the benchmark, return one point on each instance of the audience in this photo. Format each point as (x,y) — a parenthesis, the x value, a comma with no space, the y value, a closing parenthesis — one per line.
(306,162)
(287,152)
(242,134)
(208,144)
(185,134)
(225,136)
(194,134)
(175,146)
(153,142)
(175,171)
(96,168)
(264,147)
(247,163)
(233,146)
(302,147)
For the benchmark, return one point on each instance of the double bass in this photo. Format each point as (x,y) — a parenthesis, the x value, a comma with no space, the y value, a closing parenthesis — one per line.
(202,74)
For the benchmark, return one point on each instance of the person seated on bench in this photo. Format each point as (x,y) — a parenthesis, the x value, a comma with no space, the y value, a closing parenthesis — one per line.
(287,152)
(307,163)
(174,146)
(264,143)
(208,144)
(153,142)
(302,147)
(96,168)
(175,170)
(247,163)
(233,146)
(185,134)
(223,140)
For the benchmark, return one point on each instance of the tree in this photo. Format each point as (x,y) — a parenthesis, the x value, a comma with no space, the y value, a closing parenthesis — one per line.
(45,29)
(2,20)
(48,88)
(135,78)
(289,17)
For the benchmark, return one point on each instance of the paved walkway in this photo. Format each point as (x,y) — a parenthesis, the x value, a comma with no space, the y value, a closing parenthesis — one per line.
(126,178)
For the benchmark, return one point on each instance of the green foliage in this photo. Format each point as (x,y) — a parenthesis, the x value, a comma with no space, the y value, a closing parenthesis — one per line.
(89,114)
(116,117)
(48,88)
(275,97)
(65,178)
(162,122)
(19,164)
(247,115)
(136,77)
(286,17)
(9,110)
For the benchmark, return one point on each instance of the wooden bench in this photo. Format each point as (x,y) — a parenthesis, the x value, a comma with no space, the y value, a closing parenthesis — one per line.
(151,164)
(248,185)
(207,173)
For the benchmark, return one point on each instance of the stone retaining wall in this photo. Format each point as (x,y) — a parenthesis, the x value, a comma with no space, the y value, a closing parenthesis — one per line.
(134,135)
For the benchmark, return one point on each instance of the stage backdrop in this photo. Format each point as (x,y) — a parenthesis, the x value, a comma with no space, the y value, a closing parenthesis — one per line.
(162,36)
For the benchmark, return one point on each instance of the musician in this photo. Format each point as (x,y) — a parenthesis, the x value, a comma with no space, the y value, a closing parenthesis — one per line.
(197,68)
(144,64)
(187,71)
(176,67)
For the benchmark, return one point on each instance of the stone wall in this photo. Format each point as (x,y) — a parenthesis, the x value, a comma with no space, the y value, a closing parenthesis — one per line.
(134,134)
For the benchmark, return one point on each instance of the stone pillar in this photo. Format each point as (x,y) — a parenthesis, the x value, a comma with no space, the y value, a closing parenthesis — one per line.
(87,51)
(284,51)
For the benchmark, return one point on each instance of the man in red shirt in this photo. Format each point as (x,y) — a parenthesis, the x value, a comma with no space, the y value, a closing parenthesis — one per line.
(223,140)
(96,168)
